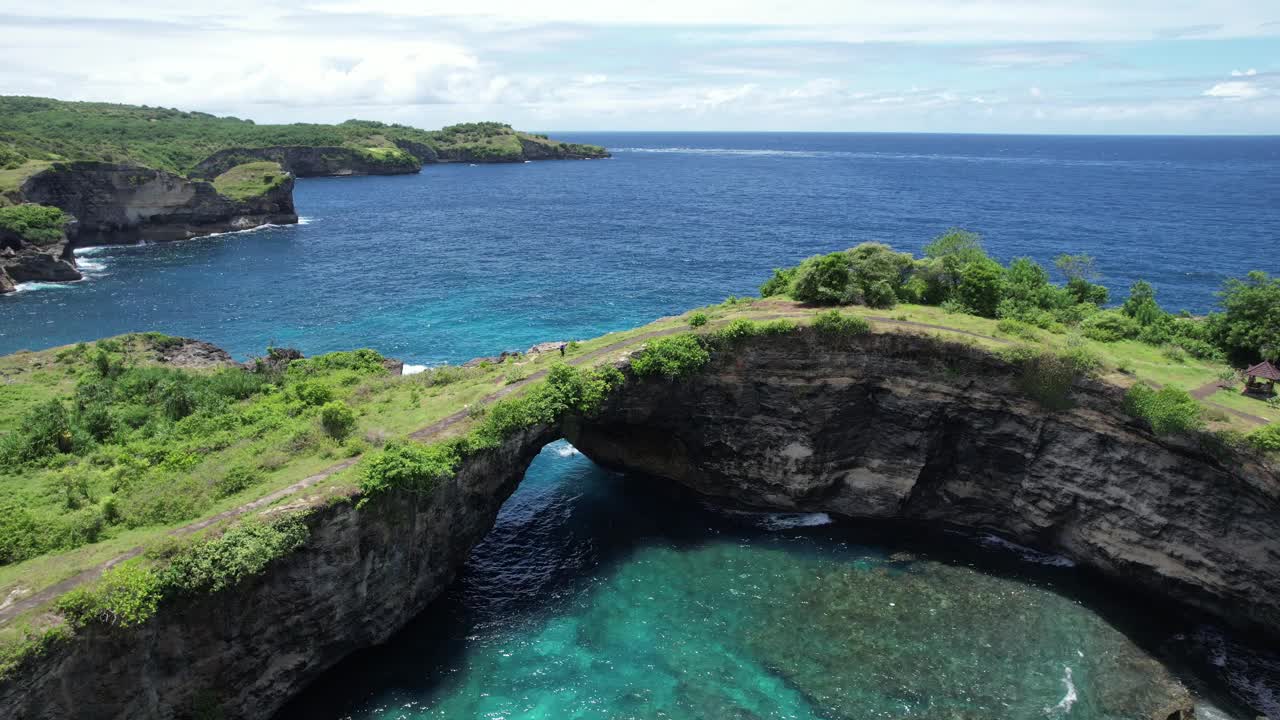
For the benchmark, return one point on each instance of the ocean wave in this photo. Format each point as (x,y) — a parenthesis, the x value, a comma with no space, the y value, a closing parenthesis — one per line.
(1026,553)
(1064,705)
(864,155)
(29,286)
(567,450)
(305,220)
(92,250)
(413,369)
(246,230)
(775,520)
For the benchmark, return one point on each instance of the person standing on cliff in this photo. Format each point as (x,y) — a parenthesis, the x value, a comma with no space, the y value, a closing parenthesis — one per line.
(561,349)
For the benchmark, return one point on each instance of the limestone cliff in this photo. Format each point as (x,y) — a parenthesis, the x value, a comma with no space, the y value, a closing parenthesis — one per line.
(240,653)
(305,161)
(888,426)
(903,427)
(125,203)
(22,260)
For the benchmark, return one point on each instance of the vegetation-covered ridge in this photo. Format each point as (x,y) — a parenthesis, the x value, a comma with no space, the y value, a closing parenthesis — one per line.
(35,131)
(108,446)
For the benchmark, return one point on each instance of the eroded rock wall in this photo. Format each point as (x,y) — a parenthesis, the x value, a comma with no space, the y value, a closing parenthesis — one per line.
(126,204)
(22,261)
(241,653)
(904,427)
(304,161)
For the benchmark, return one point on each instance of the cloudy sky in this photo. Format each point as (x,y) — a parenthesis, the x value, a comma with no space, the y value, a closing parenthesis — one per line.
(1038,66)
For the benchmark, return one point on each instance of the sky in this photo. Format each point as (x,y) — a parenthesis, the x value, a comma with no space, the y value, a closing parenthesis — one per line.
(1014,66)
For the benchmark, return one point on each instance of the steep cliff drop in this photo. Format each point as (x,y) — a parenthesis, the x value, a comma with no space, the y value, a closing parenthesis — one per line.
(27,259)
(120,204)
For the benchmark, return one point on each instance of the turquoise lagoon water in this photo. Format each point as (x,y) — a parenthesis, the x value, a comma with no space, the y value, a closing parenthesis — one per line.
(604,596)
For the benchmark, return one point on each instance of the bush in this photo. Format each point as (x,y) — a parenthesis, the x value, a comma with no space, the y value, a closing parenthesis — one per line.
(697,320)
(779,284)
(1017,329)
(833,324)
(338,420)
(1249,327)
(981,287)
(673,357)
(875,274)
(311,393)
(407,466)
(1265,438)
(36,224)
(1167,410)
(1110,326)
(237,479)
(822,279)
(127,595)
(223,561)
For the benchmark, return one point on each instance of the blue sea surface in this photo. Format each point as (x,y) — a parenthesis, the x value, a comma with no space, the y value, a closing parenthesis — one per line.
(461,261)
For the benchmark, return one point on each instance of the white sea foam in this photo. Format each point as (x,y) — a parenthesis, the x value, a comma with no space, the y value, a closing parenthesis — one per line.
(246,230)
(1026,553)
(91,267)
(28,286)
(92,250)
(567,450)
(413,369)
(776,520)
(302,220)
(1064,705)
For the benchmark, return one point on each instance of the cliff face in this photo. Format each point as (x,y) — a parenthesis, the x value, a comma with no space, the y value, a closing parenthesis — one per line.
(243,652)
(534,150)
(305,161)
(891,427)
(24,261)
(126,204)
(902,427)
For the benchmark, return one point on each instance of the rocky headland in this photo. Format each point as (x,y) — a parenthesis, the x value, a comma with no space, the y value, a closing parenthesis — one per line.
(886,426)
(36,257)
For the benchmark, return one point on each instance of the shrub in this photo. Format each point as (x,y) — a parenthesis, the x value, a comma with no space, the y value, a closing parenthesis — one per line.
(311,393)
(1249,327)
(1047,376)
(697,320)
(822,279)
(833,324)
(1174,353)
(127,595)
(1141,304)
(1167,410)
(981,286)
(875,274)
(1109,326)
(779,284)
(1265,438)
(1017,329)
(407,466)
(237,479)
(223,561)
(671,357)
(338,420)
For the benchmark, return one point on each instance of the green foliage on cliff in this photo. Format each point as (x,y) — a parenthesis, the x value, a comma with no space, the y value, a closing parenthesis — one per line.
(1265,438)
(36,224)
(127,443)
(673,357)
(407,466)
(250,180)
(44,129)
(833,324)
(1168,410)
(129,594)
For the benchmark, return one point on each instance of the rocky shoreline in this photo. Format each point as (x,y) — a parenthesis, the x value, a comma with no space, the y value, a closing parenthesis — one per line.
(893,427)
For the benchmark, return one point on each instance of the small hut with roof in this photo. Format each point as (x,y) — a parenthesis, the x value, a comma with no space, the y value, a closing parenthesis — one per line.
(1261,379)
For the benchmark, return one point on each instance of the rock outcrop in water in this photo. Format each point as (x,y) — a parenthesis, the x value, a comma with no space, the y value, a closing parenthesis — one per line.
(126,203)
(893,426)
(22,260)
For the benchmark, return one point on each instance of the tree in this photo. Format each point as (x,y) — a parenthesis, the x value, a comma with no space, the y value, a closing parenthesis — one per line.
(1248,329)
(981,287)
(876,273)
(1077,267)
(337,419)
(1142,305)
(779,284)
(943,260)
(822,279)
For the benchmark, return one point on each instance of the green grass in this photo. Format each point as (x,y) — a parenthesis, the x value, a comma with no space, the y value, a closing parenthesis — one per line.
(12,178)
(42,130)
(250,180)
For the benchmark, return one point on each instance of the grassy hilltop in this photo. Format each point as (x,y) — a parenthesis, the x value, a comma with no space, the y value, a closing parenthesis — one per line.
(36,131)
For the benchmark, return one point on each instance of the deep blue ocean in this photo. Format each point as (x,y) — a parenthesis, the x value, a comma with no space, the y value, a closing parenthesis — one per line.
(462,261)
(604,596)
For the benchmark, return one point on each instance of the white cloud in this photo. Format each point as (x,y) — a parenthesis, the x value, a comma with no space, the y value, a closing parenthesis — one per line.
(1234,90)
(1244,73)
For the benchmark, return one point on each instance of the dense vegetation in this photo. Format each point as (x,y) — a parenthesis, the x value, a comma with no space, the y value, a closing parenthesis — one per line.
(35,224)
(41,129)
(250,180)
(957,274)
(139,444)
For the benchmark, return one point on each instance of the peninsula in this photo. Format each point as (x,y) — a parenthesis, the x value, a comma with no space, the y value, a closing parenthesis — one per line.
(270,518)
(126,173)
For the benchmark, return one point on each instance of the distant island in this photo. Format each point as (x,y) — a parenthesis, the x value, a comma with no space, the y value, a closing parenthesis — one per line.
(130,173)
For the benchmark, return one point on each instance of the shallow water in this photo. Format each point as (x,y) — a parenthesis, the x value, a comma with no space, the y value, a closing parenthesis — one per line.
(602,596)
